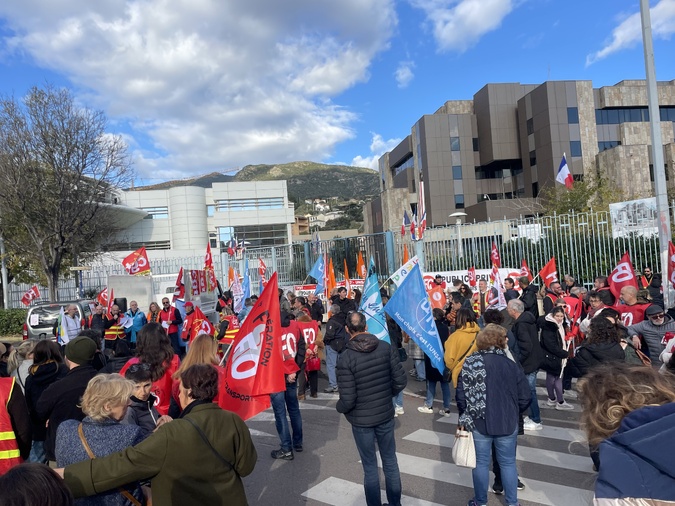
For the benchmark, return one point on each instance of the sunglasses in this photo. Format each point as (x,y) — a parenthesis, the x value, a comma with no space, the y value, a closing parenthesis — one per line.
(139,367)
(657,316)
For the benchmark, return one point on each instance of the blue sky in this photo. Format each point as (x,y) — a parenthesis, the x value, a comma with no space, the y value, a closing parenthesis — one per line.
(213,85)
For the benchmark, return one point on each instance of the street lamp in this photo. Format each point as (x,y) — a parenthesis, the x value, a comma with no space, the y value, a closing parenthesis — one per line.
(458,215)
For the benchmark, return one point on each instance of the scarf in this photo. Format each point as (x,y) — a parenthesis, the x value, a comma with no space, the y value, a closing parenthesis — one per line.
(475,390)
(565,342)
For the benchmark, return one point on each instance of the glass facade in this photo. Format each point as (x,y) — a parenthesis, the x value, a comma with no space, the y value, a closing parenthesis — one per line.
(618,115)
(454,143)
(572,115)
(407,163)
(604,145)
(254,235)
(575,148)
(457,172)
(156,213)
(249,204)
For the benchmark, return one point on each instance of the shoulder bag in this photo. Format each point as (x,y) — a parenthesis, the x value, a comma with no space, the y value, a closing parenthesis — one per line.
(643,358)
(213,450)
(463,449)
(125,493)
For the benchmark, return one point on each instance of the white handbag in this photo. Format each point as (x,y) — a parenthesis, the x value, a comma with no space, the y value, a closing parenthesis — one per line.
(463,450)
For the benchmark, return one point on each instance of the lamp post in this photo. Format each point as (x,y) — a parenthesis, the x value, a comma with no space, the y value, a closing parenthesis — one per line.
(458,223)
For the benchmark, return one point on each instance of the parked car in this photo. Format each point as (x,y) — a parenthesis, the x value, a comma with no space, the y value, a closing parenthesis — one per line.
(41,319)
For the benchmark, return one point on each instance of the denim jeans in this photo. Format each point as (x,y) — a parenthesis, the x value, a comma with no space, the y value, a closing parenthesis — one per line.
(421,371)
(331,362)
(505,447)
(398,399)
(37,452)
(281,401)
(365,438)
(431,393)
(535,416)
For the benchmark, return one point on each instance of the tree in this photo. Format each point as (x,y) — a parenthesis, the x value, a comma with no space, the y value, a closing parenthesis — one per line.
(596,192)
(59,174)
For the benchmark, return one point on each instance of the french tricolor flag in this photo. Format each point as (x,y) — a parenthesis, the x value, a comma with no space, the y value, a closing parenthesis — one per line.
(564,175)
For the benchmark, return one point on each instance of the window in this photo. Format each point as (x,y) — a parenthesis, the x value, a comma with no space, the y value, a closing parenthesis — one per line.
(254,235)
(250,204)
(530,126)
(156,213)
(572,115)
(575,148)
(475,143)
(605,145)
(535,189)
(210,211)
(533,158)
(459,201)
(407,163)
(454,143)
(457,172)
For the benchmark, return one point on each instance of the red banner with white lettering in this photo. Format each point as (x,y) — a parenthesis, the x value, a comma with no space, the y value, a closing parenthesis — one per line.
(494,256)
(472,276)
(211,281)
(102,297)
(622,275)
(194,324)
(262,273)
(202,281)
(549,273)
(671,262)
(137,263)
(525,270)
(32,294)
(179,292)
(194,282)
(255,365)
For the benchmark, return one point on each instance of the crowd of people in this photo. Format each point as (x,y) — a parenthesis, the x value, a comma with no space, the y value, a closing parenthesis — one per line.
(135,417)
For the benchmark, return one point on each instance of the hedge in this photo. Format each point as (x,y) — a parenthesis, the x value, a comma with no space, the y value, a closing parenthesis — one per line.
(11,321)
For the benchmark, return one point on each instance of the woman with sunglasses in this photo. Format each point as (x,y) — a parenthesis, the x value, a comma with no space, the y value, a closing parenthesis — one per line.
(654,330)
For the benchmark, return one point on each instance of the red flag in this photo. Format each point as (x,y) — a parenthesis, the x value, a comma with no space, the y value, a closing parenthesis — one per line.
(255,366)
(194,281)
(196,323)
(179,292)
(549,273)
(622,275)
(211,281)
(472,276)
(437,297)
(348,282)
(406,257)
(525,270)
(262,272)
(494,256)
(137,263)
(110,303)
(102,297)
(208,259)
(671,262)
(202,281)
(32,294)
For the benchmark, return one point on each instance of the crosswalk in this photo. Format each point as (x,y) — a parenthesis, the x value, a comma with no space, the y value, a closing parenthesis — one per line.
(552,462)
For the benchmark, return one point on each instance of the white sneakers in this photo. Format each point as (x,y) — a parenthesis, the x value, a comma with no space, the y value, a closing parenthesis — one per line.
(398,410)
(425,409)
(551,402)
(531,425)
(563,406)
(444,412)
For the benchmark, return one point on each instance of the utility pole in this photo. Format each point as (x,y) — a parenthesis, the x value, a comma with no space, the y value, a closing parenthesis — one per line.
(657,147)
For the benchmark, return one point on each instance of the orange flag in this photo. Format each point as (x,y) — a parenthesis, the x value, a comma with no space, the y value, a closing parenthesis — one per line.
(348,283)
(405,255)
(361,271)
(437,297)
(230,276)
(331,283)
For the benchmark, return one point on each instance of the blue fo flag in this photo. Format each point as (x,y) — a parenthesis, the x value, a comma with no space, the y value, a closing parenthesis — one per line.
(371,305)
(318,273)
(411,309)
(246,285)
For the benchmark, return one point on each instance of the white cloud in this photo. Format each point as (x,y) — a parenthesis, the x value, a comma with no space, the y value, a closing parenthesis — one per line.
(458,25)
(404,73)
(212,85)
(378,147)
(629,32)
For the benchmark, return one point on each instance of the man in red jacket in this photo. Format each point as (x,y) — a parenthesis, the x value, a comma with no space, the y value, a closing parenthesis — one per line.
(170,318)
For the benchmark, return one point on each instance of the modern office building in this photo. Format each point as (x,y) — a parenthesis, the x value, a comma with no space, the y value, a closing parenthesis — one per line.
(490,157)
(183,218)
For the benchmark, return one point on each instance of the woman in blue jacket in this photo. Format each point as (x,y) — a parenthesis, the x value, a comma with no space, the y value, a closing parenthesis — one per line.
(492,391)
(629,410)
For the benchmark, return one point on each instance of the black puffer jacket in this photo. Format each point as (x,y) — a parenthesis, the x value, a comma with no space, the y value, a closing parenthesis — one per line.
(590,355)
(552,346)
(525,330)
(529,298)
(40,378)
(369,374)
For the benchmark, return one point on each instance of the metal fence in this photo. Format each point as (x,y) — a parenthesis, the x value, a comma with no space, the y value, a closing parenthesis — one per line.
(584,245)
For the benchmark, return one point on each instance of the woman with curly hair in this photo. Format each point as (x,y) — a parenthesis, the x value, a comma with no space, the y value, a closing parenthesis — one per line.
(153,347)
(629,411)
(602,344)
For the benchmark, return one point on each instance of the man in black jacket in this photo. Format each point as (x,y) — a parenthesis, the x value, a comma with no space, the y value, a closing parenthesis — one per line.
(346,304)
(531,354)
(369,375)
(335,339)
(60,401)
(529,296)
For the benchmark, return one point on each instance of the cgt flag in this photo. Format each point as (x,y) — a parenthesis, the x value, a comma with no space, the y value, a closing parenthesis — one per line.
(32,294)
(255,366)
(525,270)
(179,291)
(194,324)
(411,309)
(549,273)
(622,275)
(494,256)
(137,263)
(371,305)
(262,273)
(472,276)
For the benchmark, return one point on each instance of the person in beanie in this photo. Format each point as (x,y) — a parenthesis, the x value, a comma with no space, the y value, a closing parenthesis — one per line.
(60,400)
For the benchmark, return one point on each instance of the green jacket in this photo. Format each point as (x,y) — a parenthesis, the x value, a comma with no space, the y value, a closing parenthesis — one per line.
(182,468)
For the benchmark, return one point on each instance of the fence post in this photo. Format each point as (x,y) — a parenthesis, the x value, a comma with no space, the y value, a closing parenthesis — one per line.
(274,259)
(391,259)
(308,267)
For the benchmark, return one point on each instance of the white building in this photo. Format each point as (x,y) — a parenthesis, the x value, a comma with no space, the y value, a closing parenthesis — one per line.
(183,219)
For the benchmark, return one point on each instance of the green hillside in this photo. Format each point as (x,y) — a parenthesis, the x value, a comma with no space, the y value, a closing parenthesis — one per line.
(308,180)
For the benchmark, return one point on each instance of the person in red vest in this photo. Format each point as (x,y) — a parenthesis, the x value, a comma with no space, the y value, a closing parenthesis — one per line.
(310,331)
(170,318)
(553,293)
(113,329)
(631,311)
(15,426)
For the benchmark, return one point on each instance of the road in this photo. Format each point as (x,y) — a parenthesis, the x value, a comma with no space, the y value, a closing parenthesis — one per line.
(553,463)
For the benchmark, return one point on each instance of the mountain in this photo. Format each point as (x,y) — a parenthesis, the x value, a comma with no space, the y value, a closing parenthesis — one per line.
(309,180)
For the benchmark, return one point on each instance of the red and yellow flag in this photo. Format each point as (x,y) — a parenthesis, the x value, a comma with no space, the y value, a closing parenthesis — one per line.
(137,263)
